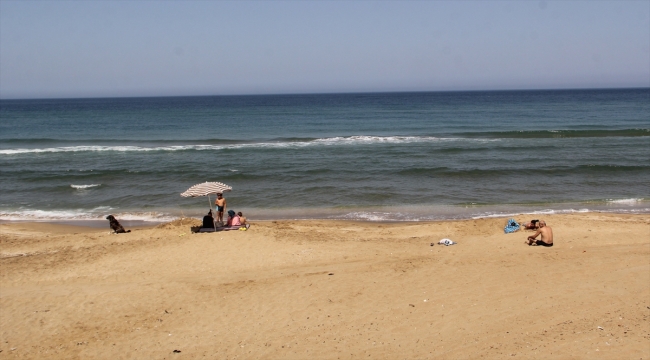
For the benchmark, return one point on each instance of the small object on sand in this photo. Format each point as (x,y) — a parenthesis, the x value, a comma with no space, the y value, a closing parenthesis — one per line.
(511,227)
(600,328)
(177,351)
(447,242)
(330,274)
(432,244)
(411,305)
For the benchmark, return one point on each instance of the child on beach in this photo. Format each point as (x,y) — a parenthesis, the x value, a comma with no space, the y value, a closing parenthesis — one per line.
(220,204)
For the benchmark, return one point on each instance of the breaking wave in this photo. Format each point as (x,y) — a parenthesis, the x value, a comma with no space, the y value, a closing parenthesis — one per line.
(82,214)
(631,201)
(224,144)
(81,187)
(295,143)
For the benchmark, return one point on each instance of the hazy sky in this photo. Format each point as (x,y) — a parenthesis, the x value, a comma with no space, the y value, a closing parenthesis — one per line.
(148,48)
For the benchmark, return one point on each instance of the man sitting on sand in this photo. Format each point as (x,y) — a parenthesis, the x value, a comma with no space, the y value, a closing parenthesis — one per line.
(547,235)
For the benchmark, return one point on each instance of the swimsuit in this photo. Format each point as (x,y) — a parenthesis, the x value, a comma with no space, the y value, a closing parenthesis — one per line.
(219,208)
(541,243)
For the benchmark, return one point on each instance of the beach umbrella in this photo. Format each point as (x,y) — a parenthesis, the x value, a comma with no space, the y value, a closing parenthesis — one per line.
(206,189)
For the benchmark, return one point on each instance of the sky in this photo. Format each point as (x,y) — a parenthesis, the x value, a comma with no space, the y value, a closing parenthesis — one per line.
(60,49)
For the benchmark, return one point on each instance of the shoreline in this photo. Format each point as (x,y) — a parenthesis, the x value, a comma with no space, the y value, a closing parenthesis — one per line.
(94,224)
(366,216)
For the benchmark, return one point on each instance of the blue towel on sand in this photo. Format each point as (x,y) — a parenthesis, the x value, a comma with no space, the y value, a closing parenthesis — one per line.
(511,227)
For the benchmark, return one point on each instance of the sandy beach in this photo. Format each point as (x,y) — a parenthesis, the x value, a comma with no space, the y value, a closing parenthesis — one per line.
(328,290)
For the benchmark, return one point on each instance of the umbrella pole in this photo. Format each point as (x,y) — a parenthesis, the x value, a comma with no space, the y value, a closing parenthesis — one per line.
(210,204)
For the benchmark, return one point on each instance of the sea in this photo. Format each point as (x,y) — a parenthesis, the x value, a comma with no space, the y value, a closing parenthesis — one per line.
(420,156)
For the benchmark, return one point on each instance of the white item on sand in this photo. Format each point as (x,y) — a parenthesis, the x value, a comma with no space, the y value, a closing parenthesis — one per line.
(447,242)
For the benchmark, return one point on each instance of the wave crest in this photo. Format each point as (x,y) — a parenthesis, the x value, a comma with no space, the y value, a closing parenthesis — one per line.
(224,144)
(83,214)
(81,187)
(631,201)
(332,141)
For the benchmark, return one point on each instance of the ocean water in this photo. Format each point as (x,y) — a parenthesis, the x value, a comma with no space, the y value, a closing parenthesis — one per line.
(383,156)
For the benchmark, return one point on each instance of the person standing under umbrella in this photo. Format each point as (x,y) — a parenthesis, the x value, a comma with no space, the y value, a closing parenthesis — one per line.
(220,204)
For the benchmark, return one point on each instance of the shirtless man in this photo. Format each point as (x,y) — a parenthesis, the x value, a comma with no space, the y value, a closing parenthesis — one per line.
(547,235)
(220,203)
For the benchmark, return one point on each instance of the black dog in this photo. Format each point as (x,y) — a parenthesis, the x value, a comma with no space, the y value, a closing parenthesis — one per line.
(116,226)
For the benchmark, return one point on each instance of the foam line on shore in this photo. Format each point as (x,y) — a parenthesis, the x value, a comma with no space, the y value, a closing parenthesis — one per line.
(372,214)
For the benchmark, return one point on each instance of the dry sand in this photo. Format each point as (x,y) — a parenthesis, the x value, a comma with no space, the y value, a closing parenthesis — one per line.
(327,289)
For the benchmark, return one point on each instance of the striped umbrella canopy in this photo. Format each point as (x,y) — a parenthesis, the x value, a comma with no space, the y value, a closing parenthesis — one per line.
(206,188)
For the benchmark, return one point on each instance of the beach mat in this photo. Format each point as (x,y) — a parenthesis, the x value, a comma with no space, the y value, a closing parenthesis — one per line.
(223,228)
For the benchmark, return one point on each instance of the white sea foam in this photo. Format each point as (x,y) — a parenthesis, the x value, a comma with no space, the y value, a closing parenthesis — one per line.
(379,216)
(631,201)
(78,214)
(145,216)
(98,213)
(377,139)
(537,212)
(418,214)
(81,187)
(369,216)
(402,213)
(333,141)
(634,211)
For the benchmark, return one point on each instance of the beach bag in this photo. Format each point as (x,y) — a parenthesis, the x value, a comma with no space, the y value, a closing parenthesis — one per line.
(511,227)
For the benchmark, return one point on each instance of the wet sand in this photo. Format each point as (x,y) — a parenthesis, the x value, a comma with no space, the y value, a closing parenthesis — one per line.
(328,289)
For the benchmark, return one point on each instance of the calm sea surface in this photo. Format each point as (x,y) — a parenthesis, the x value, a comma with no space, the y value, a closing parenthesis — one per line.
(388,156)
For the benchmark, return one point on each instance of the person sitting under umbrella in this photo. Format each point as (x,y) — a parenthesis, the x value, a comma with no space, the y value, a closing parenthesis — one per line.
(242,218)
(208,220)
(233,219)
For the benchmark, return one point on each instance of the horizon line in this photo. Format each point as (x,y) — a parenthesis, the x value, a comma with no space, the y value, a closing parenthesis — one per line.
(327,93)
